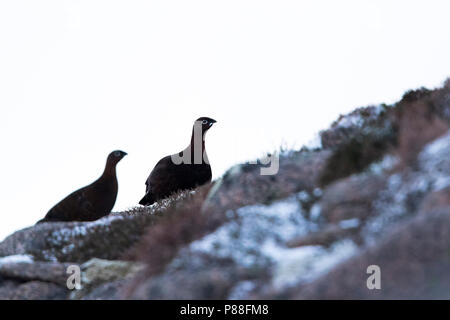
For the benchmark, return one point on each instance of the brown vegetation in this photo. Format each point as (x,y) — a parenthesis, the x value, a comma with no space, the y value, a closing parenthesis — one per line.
(402,129)
(418,122)
(182,223)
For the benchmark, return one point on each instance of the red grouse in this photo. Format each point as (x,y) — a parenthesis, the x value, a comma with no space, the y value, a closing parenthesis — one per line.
(93,201)
(181,171)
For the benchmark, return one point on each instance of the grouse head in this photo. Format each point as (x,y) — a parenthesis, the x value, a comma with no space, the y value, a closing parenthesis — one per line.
(205,123)
(115,156)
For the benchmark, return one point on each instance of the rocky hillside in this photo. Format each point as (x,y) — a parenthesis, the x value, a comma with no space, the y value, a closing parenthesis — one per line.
(376,193)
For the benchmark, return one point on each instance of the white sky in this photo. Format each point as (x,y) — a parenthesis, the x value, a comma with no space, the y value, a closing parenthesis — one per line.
(79,79)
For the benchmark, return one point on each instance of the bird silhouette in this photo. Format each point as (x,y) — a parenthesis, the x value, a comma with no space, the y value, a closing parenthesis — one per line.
(93,201)
(181,171)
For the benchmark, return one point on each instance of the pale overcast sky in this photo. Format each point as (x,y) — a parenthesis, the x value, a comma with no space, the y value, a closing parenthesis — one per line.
(79,79)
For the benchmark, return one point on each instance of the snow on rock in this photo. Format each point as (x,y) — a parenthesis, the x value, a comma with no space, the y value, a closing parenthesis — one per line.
(388,162)
(66,234)
(256,239)
(18,258)
(405,190)
(434,161)
(394,202)
(349,223)
(304,264)
(63,237)
(242,290)
(251,239)
(106,238)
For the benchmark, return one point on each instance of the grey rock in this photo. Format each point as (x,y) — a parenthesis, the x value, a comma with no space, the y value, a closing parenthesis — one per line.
(97,272)
(33,290)
(107,238)
(42,271)
(106,291)
(206,283)
(351,197)
(244,185)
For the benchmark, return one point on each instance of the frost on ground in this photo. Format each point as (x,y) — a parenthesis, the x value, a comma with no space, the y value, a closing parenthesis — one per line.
(388,162)
(19,258)
(434,161)
(64,238)
(255,232)
(405,190)
(67,234)
(256,238)
(242,290)
(305,264)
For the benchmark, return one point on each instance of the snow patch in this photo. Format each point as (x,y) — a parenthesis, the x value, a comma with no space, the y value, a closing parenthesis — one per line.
(256,239)
(241,290)
(316,211)
(388,162)
(250,239)
(349,223)
(64,238)
(19,258)
(305,264)
(438,146)
(434,161)
(405,191)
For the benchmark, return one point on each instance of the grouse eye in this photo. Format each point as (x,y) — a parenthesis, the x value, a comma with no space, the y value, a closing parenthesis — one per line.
(117,154)
(205,121)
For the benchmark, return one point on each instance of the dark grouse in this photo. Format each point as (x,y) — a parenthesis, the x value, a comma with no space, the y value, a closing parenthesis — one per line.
(181,171)
(93,201)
